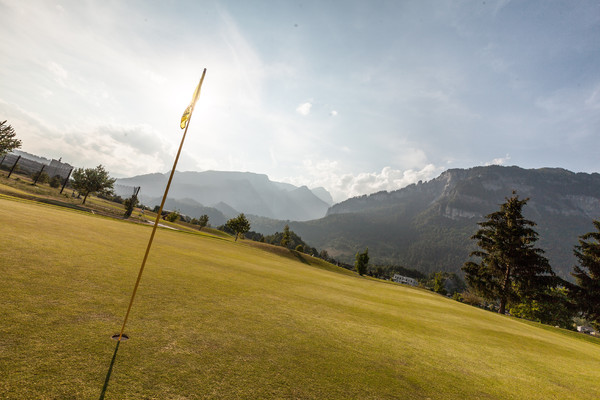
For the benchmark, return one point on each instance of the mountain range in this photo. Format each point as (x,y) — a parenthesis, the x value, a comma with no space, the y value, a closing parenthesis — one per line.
(428,226)
(222,195)
(425,226)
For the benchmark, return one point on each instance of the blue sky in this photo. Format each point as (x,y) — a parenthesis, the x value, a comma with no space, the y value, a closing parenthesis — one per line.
(354,96)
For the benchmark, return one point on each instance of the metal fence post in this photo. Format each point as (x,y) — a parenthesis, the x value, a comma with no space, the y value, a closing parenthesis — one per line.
(13,167)
(39,174)
(65,182)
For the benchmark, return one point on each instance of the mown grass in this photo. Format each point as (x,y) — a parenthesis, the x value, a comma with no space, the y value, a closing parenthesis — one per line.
(220,319)
(22,186)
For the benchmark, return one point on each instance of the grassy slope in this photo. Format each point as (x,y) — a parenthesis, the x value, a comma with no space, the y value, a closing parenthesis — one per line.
(221,319)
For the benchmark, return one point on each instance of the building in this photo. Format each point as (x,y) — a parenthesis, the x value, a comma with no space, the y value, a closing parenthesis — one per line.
(405,280)
(586,329)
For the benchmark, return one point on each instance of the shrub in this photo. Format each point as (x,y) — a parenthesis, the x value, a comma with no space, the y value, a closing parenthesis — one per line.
(41,177)
(172,216)
(55,181)
(472,298)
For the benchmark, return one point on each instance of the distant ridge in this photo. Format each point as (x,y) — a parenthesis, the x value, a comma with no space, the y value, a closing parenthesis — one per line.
(228,192)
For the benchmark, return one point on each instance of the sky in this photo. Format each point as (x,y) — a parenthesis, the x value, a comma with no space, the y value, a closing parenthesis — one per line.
(353,96)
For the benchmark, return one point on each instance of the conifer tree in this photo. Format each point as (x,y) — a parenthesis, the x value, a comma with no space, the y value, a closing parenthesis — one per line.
(285,241)
(587,275)
(511,268)
(361,262)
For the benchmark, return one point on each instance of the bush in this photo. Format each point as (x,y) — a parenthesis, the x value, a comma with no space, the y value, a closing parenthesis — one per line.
(257,237)
(55,181)
(111,197)
(172,216)
(40,177)
(472,298)
(130,204)
(300,248)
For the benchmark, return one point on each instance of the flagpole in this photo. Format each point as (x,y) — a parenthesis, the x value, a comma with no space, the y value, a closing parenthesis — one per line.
(158,214)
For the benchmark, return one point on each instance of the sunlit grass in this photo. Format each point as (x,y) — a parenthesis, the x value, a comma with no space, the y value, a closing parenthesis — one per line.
(221,319)
(21,186)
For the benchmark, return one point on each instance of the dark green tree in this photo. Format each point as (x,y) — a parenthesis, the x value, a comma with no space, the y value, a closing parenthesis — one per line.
(40,177)
(92,180)
(587,275)
(294,240)
(55,181)
(553,307)
(7,139)
(239,225)
(439,283)
(172,216)
(285,240)
(511,269)
(202,221)
(131,202)
(362,261)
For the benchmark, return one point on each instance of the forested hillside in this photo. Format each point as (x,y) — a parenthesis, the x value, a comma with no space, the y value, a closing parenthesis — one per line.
(428,225)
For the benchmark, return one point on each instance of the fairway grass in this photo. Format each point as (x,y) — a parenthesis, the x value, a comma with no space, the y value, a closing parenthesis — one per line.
(219,319)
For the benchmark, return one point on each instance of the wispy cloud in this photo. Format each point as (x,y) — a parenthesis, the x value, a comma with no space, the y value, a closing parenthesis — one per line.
(342,185)
(304,108)
(499,160)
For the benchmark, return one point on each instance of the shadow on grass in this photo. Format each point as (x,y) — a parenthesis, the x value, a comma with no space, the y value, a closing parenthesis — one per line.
(112,363)
(63,204)
(300,257)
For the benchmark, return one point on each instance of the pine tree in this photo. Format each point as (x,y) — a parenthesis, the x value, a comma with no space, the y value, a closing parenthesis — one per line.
(587,275)
(285,241)
(361,262)
(511,268)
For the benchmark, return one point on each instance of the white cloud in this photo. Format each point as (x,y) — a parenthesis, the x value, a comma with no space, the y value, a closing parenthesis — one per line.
(124,150)
(499,160)
(341,185)
(304,108)
(333,113)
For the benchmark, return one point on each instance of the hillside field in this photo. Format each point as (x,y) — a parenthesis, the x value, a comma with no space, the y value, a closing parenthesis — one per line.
(219,319)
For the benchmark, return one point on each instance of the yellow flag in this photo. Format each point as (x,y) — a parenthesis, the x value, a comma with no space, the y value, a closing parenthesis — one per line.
(188,111)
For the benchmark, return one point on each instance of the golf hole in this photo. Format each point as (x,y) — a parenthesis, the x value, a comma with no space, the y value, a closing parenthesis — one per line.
(124,337)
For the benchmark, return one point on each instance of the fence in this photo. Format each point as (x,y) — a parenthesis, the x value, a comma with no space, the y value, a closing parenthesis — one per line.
(26,166)
(21,164)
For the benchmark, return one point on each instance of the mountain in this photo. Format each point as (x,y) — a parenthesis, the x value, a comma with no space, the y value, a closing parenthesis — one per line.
(323,194)
(427,226)
(232,192)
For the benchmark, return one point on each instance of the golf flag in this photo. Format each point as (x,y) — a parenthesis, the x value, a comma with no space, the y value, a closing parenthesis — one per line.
(188,111)
(185,120)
